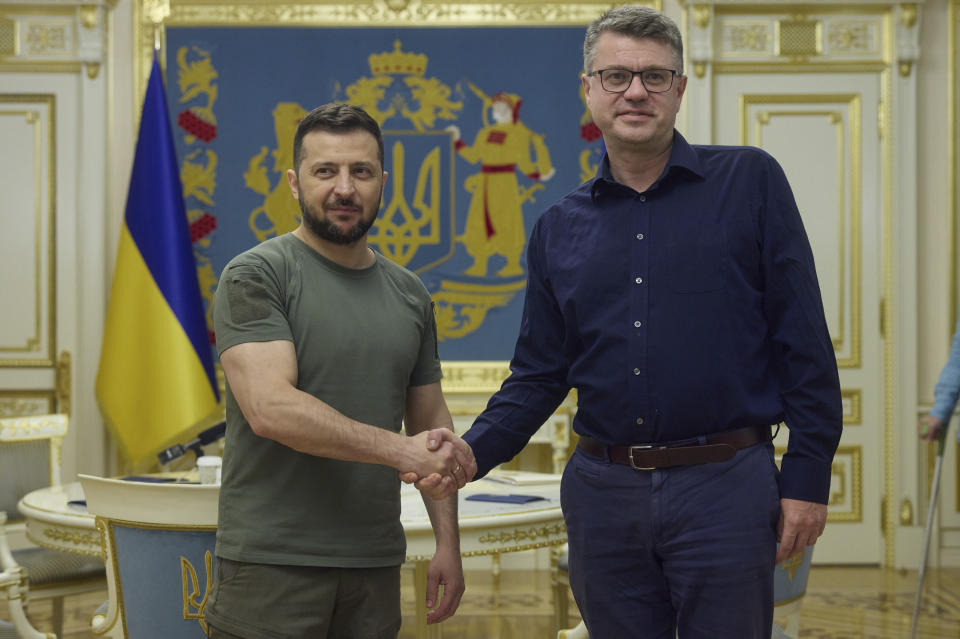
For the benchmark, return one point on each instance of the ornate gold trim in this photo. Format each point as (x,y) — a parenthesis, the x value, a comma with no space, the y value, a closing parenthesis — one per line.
(793,67)
(63,383)
(855,395)
(474,377)
(151,17)
(523,534)
(79,538)
(49,101)
(13,402)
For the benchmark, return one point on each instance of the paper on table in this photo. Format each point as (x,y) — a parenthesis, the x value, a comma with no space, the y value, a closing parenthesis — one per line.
(523,477)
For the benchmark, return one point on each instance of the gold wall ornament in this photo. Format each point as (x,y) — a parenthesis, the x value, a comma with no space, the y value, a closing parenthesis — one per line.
(906,512)
(908,14)
(387,13)
(852,400)
(799,37)
(8,37)
(89,16)
(93,69)
(749,38)
(905,68)
(156,11)
(64,381)
(700,69)
(48,38)
(701,15)
(17,403)
(473,377)
(851,37)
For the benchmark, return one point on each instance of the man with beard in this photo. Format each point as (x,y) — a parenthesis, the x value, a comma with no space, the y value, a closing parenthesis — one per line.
(327,348)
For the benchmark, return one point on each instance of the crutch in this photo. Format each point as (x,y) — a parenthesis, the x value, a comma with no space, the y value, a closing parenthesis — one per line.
(934,492)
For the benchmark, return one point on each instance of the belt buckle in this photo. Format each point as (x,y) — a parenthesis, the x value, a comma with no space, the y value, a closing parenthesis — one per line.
(643,447)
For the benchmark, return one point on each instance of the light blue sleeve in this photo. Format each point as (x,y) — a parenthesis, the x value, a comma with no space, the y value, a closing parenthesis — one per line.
(948,385)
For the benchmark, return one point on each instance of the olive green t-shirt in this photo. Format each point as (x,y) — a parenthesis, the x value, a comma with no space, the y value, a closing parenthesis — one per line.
(362,338)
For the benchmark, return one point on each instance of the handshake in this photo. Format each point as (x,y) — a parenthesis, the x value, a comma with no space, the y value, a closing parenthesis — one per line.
(437,462)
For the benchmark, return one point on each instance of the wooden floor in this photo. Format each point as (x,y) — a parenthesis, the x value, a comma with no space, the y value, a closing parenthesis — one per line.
(841,603)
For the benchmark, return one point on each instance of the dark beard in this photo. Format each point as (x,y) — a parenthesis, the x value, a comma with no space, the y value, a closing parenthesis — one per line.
(324,228)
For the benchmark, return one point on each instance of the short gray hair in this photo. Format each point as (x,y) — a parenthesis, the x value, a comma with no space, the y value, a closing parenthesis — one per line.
(634,21)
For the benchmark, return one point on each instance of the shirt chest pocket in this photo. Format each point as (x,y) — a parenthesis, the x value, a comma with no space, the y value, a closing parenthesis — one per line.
(696,264)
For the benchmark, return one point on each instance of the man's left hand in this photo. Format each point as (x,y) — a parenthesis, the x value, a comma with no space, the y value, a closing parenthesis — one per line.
(801,524)
(446,569)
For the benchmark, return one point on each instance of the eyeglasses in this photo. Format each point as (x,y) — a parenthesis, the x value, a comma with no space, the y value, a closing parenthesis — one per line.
(619,80)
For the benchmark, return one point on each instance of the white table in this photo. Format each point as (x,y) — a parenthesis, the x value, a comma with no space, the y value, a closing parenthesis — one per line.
(486,528)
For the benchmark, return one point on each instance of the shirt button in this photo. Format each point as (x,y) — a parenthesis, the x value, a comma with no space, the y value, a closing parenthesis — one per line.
(639,280)
(636,371)
(639,420)
(638,324)
(643,198)
(639,236)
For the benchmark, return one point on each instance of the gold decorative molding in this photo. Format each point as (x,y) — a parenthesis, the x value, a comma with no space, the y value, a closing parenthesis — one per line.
(8,37)
(844,140)
(156,11)
(48,38)
(64,381)
(700,69)
(474,377)
(851,37)
(18,403)
(908,14)
(379,12)
(30,427)
(855,399)
(78,538)
(152,17)
(799,37)
(847,470)
(93,69)
(701,15)
(89,16)
(906,512)
(524,534)
(39,111)
(749,38)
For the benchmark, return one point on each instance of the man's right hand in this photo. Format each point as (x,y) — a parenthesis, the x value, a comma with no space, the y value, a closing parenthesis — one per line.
(929,428)
(440,485)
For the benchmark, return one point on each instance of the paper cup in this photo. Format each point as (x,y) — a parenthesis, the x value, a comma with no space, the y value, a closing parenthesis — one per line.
(208,468)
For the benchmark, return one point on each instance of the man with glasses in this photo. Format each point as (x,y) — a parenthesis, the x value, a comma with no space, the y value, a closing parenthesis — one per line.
(676,292)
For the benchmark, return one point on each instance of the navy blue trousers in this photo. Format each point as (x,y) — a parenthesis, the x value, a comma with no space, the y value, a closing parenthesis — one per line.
(686,551)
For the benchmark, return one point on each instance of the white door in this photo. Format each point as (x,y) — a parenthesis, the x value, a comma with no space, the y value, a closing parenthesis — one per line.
(823,129)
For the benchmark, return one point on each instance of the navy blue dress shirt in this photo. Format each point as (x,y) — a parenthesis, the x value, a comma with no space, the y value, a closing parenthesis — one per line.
(688,309)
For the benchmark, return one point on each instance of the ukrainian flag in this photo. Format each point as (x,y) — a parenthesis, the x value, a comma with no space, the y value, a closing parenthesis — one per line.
(156,382)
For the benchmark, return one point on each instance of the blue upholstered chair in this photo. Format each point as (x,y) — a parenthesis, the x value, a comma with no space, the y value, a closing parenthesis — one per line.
(159,543)
(29,460)
(789,587)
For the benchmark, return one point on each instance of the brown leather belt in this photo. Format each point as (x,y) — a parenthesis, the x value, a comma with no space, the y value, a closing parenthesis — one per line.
(718,447)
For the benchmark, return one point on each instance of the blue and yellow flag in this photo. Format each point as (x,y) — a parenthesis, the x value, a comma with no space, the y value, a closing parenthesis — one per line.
(156,382)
